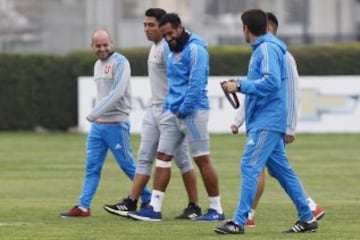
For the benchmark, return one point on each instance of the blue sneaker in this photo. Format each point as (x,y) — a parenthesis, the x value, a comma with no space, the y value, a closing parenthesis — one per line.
(211,215)
(146,214)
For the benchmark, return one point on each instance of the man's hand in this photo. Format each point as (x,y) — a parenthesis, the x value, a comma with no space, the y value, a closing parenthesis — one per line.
(289,138)
(230,86)
(181,115)
(90,119)
(234,129)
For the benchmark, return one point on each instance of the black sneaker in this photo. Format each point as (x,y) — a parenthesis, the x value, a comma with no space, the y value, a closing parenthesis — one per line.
(300,227)
(229,227)
(122,208)
(191,212)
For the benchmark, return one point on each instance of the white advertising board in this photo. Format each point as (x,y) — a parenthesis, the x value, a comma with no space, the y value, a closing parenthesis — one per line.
(329,104)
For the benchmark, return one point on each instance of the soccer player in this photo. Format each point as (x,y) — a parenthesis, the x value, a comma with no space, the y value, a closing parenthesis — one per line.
(292,107)
(110,126)
(265,116)
(185,116)
(150,133)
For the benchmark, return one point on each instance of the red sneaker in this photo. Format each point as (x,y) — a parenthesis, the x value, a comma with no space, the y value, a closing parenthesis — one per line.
(318,213)
(76,212)
(250,223)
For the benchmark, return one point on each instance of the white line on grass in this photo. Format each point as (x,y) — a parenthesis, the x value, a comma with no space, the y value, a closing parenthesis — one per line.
(4,224)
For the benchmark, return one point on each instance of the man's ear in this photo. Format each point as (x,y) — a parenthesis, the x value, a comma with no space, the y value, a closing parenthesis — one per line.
(245,29)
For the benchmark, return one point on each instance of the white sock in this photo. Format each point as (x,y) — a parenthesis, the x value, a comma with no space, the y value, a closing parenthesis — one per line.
(216,204)
(83,209)
(311,203)
(157,198)
(312,220)
(251,214)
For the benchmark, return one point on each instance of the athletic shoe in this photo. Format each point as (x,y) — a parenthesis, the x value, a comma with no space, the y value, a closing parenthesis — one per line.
(250,223)
(211,215)
(191,212)
(318,213)
(300,227)
(76,212)
(146,214)
(121,208)
(229,227)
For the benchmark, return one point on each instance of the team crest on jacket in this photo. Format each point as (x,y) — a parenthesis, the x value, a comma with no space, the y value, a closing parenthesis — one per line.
(177,57)
(107,69)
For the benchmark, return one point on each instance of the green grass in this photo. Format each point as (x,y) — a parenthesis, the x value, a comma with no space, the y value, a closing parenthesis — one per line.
(41,175)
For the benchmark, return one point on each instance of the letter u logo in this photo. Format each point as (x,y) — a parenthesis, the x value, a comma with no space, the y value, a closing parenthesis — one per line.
(107,69)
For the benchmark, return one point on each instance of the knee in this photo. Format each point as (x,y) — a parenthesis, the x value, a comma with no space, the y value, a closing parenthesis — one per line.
(144,166)
(184,165)
(202,161)
(163,156)
(94,170)
(271,173)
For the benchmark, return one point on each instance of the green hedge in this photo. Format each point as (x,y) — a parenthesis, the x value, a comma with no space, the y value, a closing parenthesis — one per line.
(41,90)
(339,59)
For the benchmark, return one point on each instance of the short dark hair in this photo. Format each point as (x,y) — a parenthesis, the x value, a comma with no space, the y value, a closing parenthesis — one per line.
(255,20)
(272,19)
(155,12)
(171,18)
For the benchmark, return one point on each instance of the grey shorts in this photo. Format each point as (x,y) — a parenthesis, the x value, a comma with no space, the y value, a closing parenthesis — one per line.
(150,134)
(193,129)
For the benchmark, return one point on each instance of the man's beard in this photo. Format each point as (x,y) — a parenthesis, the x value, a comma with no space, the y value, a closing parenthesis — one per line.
(180,42)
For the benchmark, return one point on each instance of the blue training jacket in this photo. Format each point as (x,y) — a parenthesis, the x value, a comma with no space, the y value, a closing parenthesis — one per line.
(187,73)
(265,86)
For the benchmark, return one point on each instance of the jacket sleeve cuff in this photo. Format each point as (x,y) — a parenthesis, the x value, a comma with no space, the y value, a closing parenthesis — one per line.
(290,131)
(238,83)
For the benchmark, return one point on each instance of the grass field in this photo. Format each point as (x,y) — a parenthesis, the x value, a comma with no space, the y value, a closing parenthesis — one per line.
(41,175)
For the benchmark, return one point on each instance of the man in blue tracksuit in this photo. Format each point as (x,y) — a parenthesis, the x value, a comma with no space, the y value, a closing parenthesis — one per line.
(266,115)
(150,130)
(185,116)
